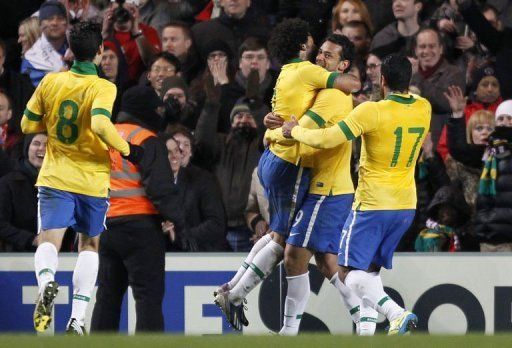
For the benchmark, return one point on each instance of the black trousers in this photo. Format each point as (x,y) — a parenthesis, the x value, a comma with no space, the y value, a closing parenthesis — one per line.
(131,253)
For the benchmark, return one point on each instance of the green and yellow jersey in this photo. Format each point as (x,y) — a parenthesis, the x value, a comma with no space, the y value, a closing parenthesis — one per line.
(74,108)
(392,132)
(294,93)
(330,170)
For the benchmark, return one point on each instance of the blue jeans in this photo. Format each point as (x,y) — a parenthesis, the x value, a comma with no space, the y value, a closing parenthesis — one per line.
(239,238)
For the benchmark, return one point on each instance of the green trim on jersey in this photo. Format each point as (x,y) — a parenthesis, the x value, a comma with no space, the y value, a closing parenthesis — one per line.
(32,116)
(316,117)
(84,68)
(344,128)
(400,99)
(295,60)
(100,111)
(331,79)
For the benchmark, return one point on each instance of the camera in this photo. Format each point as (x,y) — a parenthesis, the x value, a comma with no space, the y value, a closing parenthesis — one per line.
(172,110)
(121,14)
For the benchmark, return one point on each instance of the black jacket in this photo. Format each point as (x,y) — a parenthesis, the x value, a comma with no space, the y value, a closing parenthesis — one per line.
(237,89)
(467,154)
(18,208)
(205,219)
(157,177)
(498,42)
(231,159)
(493,218)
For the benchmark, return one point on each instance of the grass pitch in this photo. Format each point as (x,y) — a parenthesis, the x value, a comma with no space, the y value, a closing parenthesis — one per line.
(228,341)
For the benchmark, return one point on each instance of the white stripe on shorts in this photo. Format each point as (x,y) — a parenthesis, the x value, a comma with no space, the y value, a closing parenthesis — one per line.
(312,221)
(293,205)
(105,217)
(38,213)
(348,237)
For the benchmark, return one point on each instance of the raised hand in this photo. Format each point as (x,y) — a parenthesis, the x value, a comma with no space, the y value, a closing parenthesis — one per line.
(456,100)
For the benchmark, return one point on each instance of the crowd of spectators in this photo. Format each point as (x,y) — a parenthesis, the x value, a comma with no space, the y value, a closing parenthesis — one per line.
(209,64)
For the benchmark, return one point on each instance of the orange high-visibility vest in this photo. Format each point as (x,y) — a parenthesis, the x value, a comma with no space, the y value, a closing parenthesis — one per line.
(127,194)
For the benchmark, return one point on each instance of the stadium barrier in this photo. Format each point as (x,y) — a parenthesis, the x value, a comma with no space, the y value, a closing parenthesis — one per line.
(450,293)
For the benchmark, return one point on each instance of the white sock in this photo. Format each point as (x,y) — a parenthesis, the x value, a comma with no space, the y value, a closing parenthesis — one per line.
(84,279)
(46,260)
(368,318)
(370,285)
(295,303)
(349,297)
(255,249)
(264,262)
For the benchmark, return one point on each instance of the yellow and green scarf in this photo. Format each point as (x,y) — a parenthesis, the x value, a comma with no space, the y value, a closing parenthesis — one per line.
(487,184)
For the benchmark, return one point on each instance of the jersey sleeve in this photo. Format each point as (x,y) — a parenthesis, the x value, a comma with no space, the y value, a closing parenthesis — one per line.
(104,98)
(317,77)
(323,138)
(276,135)
(31,121)
(363,119)
(105,130)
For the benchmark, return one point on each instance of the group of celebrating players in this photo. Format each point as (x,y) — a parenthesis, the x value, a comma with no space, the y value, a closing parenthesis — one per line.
(305,171)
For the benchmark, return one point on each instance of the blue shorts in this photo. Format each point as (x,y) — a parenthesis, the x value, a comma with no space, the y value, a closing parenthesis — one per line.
(372,236)
(319,222)
(62,209)
(285,186)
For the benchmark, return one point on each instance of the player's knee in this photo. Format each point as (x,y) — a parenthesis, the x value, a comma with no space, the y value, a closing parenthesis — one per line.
(88,243)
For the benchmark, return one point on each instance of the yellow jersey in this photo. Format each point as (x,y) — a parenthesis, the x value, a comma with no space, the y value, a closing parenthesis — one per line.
(392,132)
(294,93)
(330,172)
(76,159)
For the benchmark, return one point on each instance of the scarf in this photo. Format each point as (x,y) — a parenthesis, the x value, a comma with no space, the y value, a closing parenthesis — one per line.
(434,236)
(487,184)
(42,56)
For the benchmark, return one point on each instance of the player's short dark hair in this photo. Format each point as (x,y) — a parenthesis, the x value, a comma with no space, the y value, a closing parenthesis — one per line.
(170,58)
(286,39)
(348,50)
(251,44)
(85,40)
(397,71)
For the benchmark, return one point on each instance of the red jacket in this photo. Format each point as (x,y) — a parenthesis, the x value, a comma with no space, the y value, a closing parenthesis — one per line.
(135,65)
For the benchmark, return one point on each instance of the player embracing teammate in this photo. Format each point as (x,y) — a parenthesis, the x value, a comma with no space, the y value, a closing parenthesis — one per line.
(392,132)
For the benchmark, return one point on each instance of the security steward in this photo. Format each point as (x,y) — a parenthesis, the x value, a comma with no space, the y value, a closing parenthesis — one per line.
(132,250)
